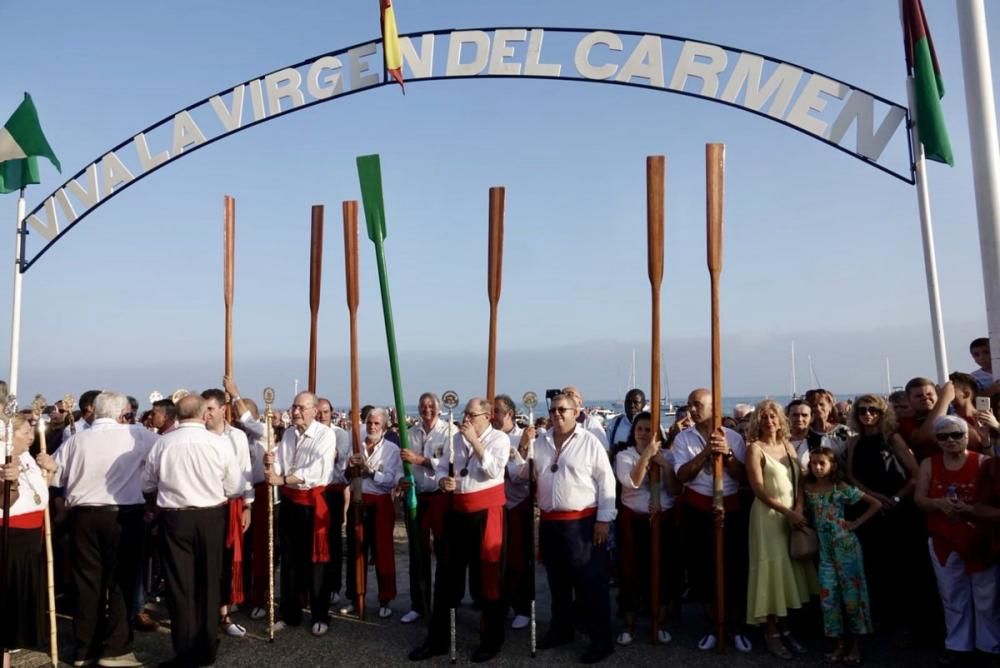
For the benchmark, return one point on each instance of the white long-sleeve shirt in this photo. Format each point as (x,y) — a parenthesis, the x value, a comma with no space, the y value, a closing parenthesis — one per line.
(594,426)
(515,487)
(430,443)
(31,482)
(308,456)
(240,447)
(386,467)
(480,473)
(192,468)
(583,477)
(257,441)
(686,447)
(103,465)
(343,448)
(637,497)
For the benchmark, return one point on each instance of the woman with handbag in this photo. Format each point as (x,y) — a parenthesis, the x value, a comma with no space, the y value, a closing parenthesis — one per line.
(777,583)
(843,591)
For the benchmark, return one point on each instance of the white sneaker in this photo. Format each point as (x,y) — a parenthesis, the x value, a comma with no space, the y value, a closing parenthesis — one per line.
(319,629)
(258,614)
(384,612)
(347,609)
(742,643)
(278,626)
(123,661)
(520,622)
(707,642)
(234,630)
(624,638)
(664,636)
(334,598)
(410,617)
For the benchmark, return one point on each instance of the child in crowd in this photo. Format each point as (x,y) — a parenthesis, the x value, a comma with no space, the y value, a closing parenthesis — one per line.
(843,591)
(980,351)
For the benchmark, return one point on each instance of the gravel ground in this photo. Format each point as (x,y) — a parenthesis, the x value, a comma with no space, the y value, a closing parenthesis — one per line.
(386,642)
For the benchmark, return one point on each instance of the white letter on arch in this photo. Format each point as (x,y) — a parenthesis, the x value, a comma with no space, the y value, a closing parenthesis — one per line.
(479,39)
(583,49)
(186,133)
(780,85)
(708,72)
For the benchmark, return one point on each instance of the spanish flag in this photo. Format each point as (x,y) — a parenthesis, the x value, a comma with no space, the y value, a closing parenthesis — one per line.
(390,43)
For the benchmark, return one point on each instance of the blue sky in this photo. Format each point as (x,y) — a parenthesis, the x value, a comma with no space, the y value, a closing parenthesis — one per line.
(819,248)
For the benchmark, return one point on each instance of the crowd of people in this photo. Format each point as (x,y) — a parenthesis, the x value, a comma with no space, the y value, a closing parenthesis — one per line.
(877,515)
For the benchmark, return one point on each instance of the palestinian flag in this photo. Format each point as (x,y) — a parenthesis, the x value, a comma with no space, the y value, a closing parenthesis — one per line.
(390,43)
(17,174)
(922,65)
(22,136)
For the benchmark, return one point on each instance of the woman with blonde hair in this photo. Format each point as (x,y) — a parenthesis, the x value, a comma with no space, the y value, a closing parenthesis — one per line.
(777,583)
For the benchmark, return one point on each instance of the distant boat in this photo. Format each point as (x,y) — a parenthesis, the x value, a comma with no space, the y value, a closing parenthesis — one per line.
(666,406)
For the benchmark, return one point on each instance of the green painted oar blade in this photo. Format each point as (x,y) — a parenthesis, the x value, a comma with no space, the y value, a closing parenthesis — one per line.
(370,174)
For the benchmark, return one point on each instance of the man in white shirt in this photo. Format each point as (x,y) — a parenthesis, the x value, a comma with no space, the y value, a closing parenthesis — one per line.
(428,439)
(474,531)
(520,513)
(239,508)
(193,473)
(381,470)
(589,422)
(576,497)
(101,471)
(693,449)
(303,469)
(86,405)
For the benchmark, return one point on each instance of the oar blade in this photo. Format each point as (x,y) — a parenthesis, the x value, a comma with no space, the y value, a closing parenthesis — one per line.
(370,175)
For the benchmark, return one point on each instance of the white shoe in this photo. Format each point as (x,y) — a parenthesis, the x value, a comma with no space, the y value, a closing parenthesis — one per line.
(624,638)
(123,661)
(334,598)
(664,636)
(278,626)
(347,609)
(234,630)
(742,643)
(707,642)
(410,617)
(520,622)
(319,629)
(258,614)
(384,612)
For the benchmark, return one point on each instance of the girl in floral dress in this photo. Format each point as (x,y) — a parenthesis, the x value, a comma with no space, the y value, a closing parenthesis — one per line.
(843,592)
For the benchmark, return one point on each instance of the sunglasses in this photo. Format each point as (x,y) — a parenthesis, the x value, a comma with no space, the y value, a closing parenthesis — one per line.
(868,410)
(950,436)
(561,410)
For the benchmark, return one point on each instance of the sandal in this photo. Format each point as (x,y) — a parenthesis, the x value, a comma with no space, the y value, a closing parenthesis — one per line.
(793,643)
(775,647)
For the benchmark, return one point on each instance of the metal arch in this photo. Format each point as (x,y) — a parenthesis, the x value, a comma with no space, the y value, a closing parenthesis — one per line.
(27,264)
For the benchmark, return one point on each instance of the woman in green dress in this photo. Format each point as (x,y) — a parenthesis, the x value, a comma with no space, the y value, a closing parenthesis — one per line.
(777,583)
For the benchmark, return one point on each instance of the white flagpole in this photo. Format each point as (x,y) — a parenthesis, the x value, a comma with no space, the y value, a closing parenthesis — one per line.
(15,319)
(926,232)
(982,116)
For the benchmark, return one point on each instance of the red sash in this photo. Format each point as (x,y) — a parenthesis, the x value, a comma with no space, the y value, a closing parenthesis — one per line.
(259,522)
(33,520)
(567,515)
(234,542)
(314,498)
(492,501)
(703,503)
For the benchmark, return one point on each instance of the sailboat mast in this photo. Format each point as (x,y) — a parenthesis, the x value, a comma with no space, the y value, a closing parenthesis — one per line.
(795,390)
(888,377)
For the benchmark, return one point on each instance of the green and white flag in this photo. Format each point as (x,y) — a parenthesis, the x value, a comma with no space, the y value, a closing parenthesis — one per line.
(21,137)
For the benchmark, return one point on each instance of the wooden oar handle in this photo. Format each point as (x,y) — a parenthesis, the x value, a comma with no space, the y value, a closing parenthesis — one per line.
(497,194)
(229,261)
(655,168)
(316,257)
(715,165)
(350,211)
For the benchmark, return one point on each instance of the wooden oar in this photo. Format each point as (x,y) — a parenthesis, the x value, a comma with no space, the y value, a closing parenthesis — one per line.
(715,161)
(228,267)
(493,283)
(655,165)
(350,213)
(315,279)
(38,408)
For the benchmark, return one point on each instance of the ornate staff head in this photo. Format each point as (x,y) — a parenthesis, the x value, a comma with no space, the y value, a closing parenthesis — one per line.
(9,411)
(530,400)
(450,400)
(178,395)
(268,397)
(155,396)
(69,403)
(38,406)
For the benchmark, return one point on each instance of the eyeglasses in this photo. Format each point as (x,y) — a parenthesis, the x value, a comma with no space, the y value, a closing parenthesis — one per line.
(561,410)
(950,436)
(868,410)
(472,415)
(298,407)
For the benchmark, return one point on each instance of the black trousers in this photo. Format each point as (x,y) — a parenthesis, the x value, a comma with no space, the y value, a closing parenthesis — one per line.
(104,547)
(300,577)
(335,567)
(574,564)
(192,543)
(460,553)
(699,548)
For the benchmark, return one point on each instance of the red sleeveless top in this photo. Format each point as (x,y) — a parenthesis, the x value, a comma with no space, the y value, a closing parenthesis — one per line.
(958,534)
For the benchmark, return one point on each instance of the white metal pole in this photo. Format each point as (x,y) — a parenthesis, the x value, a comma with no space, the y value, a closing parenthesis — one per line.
(982,116)
(15,319)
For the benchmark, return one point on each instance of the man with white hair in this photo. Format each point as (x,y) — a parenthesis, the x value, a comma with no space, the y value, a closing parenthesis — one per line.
(101,471)
(302,468)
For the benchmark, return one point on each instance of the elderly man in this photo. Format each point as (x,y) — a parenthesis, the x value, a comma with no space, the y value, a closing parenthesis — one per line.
(101,471)
(193,473)
(381,470)
(239,508)
(619,428)
(590,423)
(428,439)
(693,450)
(474,527)
(303,468)
(576,497)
